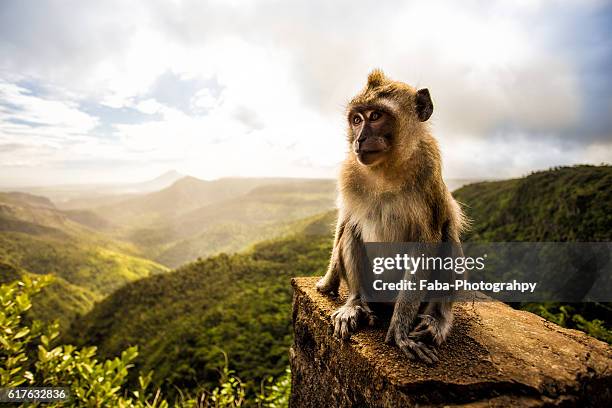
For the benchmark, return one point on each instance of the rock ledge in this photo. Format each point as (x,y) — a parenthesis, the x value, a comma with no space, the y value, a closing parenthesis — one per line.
(495,356)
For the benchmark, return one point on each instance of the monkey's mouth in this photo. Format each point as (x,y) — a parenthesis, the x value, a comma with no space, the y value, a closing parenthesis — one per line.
(369,157)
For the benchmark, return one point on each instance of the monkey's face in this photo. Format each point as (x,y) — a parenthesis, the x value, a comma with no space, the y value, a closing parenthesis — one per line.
(385,120)
(372,129)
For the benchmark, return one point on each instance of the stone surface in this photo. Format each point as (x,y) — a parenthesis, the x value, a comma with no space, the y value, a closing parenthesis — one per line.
(495,356)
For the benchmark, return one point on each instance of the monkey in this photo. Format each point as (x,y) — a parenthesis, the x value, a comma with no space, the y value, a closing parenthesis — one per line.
(391,190)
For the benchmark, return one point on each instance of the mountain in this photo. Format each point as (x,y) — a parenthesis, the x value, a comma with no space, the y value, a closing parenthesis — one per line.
(186,194)
(558,205)
(100,249)
(37,238)
(21,198)
(196,218)
(160,182)
(231,225)
(79,196)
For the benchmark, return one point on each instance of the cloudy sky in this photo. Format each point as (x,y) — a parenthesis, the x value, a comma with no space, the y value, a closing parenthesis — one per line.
(125,90)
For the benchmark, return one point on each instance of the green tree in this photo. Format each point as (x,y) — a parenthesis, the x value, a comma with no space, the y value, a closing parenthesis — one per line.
(29,357)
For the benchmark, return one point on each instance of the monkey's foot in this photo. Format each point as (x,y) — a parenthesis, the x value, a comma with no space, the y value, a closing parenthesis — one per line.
(346,319)
(430,330)
(412,348)
(325,285)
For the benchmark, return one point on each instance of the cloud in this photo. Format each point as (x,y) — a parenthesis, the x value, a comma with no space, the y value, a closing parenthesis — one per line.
(243,87)
(24,114)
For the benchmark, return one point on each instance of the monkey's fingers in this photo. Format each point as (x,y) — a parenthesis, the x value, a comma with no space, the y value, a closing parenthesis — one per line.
(346,329)
(352,322)
(419,350)
(409,354)
(427,336)
(339,329)
(421,335)
(430,351)
(412,351)
(345,321)
(421,326)
(336,323)
(343,327)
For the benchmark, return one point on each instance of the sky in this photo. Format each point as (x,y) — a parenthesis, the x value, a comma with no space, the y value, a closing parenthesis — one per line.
(121,91)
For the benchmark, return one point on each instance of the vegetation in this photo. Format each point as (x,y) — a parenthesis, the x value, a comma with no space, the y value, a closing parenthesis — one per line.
(89,266)
(558,205)
(37,238)
(60,300)
(29,356)
(239,303)
(185,195)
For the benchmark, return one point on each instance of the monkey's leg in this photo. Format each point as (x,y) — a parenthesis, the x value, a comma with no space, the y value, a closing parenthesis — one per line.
(351,255)
(436,322)
(331,281)
(402,322)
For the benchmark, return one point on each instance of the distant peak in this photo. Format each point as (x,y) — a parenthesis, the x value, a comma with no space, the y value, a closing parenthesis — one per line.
(170,174)
(188,180)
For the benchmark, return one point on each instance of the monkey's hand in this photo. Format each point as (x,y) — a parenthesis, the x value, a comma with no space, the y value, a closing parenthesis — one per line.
(430,330)
(346,319)
(400,336)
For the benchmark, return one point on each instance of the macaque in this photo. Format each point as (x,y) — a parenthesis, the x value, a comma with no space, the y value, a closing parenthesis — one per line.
(391,190)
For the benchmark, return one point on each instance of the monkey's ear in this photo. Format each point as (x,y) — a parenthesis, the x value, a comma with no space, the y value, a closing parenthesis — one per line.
(376,78)
(424,105)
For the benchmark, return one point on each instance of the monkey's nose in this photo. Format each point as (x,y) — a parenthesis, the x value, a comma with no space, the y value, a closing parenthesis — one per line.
(360,143)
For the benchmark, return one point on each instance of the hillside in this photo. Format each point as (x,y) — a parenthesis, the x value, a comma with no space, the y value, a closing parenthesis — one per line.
(195,218)
(265,212)
(236,303)
(92,255)
(60,300)
(82,263)
(241,303)
(563,204)
(36,237)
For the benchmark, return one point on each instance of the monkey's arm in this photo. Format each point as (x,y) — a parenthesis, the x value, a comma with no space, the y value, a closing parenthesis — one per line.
(437,317)
(351,258)
(331,281)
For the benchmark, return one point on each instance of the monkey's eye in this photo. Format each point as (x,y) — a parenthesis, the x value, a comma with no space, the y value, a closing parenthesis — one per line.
(375,116)
(356,120)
